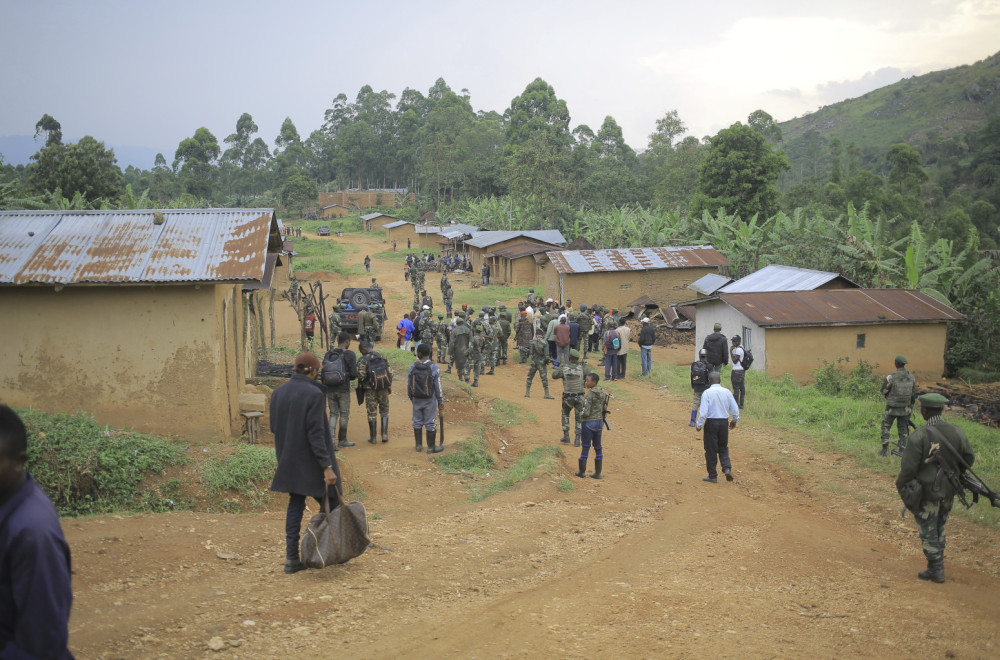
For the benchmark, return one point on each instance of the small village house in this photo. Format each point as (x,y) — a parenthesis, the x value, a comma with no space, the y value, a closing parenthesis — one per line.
(615,277)
(400,231)
(371,220)
(335,211)
(485,242)
(137,317)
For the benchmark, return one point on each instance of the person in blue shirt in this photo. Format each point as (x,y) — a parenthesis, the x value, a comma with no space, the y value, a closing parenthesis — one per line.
(35,590)
(717,404)
(405,330)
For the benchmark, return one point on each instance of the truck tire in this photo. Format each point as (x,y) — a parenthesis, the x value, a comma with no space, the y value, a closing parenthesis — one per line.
(360,297)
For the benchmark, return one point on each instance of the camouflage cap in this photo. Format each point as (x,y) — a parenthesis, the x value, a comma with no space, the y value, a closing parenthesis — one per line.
(932,400)
(573,353)
(901,359)
(440,315)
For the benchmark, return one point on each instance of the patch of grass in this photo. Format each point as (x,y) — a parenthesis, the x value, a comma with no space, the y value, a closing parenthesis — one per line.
(400,362)
(841,424)
(327,255)
(834,488)
(489,295)
(349,225)
(281,350)
(539,457)
(504,413)
(565,486)
(246,472)
(87,468)
(472,455)
(970,375)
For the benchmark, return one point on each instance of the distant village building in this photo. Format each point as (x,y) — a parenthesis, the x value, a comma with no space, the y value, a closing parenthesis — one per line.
(794,331)
(370,220)
(367,198)
(400,231)
(139,317)
(616,277)
(335,211)
(484,243)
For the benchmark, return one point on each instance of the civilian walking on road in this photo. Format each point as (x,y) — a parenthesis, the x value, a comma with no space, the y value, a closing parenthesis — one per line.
(647,337)
(717,347)
(738,377)
(717,404)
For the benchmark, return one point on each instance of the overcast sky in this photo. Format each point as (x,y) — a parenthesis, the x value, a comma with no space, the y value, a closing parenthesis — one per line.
(131,72)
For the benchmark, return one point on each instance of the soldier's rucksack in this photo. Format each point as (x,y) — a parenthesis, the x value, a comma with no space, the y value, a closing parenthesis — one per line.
(421,381)
(901,392)
(333,369)
(379,376)
(699,373)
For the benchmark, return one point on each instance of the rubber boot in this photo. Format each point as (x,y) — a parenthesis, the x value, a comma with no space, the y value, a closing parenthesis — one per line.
(491,371)
(385,429)
(694,413)
(527,391)
(582,471)
(547,395)
(475,383)
(433,448)
(885,449)
(934,572)
(292,562)
(342,440)
(598,464)
(372,431)
(418,437)
(576,440)
(565,438)
(448,370)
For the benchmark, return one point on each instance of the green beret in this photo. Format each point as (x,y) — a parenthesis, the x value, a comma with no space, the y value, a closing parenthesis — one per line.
(901,359)
(932,400)
(440,315)
(573,353)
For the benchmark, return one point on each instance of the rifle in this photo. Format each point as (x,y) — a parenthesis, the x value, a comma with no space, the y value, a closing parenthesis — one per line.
(965,479)
(900,446)
(605,411)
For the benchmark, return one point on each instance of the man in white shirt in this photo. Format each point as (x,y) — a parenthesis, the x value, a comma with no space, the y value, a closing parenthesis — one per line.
(717,404)
(625,333)
(738,377)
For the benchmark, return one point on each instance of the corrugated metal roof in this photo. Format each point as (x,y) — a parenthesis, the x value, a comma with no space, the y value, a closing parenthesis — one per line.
(392,225)
(783,278)
(484,239)
(372,216)
(709,284)
(518,250)
(840,307)
(627,259)
(190,245)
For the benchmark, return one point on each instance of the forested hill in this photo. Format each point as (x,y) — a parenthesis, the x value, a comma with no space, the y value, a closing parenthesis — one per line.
(940,114)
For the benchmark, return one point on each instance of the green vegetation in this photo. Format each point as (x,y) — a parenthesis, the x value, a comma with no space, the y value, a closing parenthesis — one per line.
(565,486)
(400,362)
(503,413)
(316,254)
(349,225)
(87,468)
(247,472)
(492,295)
(544,458)
(842,423)
(472,455)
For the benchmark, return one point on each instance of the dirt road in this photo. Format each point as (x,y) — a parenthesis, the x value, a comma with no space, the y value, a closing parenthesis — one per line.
(803,555)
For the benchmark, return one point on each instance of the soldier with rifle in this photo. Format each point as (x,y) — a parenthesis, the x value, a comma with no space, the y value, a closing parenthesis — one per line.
(595,420)
(572,374)
(539,358)
(524,331)
(900,391)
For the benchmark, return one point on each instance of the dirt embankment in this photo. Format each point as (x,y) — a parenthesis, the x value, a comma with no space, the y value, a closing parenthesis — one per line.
(803,555)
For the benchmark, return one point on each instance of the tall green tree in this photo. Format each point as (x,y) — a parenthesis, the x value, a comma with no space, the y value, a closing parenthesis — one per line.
(86,168)
(196,157)
(739,174)
(50,128)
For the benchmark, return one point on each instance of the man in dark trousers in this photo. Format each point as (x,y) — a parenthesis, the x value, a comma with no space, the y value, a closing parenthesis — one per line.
(35,590)
(307,464)
(924,448)
(338,397)
(717,347)
(717,404)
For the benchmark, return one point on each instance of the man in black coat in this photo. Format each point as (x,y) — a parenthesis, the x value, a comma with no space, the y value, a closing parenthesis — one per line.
(307,464)
(718,348)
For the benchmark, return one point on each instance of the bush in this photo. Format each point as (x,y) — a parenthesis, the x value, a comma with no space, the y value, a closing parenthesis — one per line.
(861,382)
(87,468)
(246,472)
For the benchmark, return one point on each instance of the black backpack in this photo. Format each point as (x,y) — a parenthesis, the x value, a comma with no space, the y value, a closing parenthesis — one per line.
(747,359)
(333,369)
(379,376)
(421,381)
(699,373)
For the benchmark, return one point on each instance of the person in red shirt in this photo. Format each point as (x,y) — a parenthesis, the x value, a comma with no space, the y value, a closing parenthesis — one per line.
(310,324)
(562,332)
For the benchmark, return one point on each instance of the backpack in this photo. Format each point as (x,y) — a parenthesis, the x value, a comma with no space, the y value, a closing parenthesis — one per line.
(747,359)
(379,376)
(333,369)
(699,373)
(612,341)
(902,390)
(421,381)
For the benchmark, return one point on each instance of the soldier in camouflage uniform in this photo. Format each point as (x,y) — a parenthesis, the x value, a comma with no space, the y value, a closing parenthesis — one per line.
(524,332)
(428,329)
(900,391)
(539,358)
(445,284)
(503,333)
(335,328)
(573,375)
(442,338)
(532,298)
(367,324)
(447,295)
(376,401)
(476,350)
(492,350)
(458,348)
(586,323)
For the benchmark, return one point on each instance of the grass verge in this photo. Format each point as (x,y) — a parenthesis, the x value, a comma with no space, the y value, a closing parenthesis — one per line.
(472,455)
(543,457)
(504,413)
(246,472)
(315,254)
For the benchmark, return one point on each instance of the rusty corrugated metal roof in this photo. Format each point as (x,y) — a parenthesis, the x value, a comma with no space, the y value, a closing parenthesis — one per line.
(840,307)
(628,259)
(128,247)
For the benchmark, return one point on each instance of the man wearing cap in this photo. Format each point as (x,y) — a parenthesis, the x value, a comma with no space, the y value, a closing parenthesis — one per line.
(717,347)
(573,375)
(503,334)
(936,441)
(524,332)
(538,349)
(738,376)
(458,348)
(586,323)
(647,337)
(441,336)
(717,404)
(699,381)
(900,391)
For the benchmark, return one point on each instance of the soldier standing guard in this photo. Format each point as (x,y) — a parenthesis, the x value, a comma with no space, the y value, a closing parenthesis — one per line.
(539,358)
(900,391)
(572,374)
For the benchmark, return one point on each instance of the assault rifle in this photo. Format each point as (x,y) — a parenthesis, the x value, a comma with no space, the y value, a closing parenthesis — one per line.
(962,478)
(604,410)
(898,447)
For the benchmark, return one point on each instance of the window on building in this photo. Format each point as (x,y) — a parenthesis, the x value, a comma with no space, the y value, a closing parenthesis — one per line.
(625,286)
(746,338)
(861,340)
